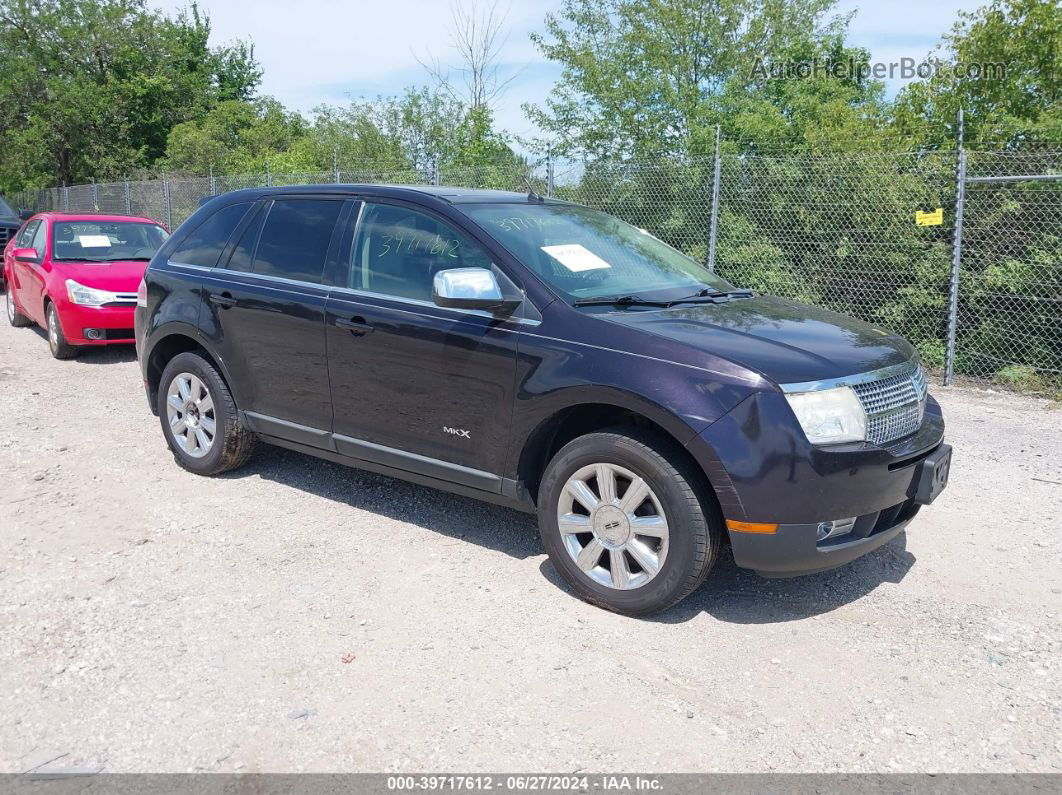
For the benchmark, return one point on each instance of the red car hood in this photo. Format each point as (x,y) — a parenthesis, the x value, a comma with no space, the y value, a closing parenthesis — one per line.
(118,277)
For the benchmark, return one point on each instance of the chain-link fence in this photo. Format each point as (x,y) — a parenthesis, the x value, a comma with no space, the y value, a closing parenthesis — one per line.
(859,233)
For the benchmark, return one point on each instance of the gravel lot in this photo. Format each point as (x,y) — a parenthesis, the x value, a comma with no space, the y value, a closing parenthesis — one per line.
(297,615)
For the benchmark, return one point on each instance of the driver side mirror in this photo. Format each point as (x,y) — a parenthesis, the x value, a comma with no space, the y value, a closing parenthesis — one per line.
(25,214)
(25,254)
(471,288)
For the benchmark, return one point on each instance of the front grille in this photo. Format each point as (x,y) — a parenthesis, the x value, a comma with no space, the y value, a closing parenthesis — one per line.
(123,299)
(5,235)
(894,405)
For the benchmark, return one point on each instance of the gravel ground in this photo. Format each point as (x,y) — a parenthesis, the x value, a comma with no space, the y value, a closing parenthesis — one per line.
(297,615)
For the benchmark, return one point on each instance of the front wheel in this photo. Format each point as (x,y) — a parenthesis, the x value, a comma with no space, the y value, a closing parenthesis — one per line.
(199,417)
(57,343)
(626,522)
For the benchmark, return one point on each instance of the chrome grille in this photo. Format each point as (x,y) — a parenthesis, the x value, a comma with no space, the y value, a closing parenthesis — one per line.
(894,405)
(5,235)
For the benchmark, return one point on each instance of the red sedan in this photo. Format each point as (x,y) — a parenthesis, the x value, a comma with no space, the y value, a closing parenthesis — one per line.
(76,275)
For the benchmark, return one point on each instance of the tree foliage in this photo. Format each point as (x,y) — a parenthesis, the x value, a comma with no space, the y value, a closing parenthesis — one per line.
(92,88)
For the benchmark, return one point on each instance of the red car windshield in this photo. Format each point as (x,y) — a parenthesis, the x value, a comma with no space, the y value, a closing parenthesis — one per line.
(105,241)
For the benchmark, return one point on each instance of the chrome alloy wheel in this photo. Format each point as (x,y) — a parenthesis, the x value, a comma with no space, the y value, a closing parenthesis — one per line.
(613,526)
(10,306)
(190,412)
(53,328)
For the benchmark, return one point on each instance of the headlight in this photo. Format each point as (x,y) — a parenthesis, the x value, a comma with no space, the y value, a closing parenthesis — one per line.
(830,415)
(88,296)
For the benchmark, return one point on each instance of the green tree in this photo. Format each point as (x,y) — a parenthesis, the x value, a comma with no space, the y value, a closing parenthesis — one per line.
(645,76)
(92,88)
(238,137)
(1022,102)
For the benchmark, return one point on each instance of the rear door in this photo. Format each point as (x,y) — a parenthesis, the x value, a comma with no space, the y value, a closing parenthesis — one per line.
(264,312)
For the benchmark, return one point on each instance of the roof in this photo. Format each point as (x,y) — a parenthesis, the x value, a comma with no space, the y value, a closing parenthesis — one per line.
(445,193)
(56,215)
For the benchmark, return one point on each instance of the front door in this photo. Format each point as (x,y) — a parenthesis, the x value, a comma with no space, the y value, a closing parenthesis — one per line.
(20,270)
(264,310)
(416,386)
(31,276)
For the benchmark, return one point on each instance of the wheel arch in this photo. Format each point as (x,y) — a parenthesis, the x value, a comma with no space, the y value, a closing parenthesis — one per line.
(169,346)
(590,415)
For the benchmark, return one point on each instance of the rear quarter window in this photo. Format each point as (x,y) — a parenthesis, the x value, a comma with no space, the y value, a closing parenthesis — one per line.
(206,242)
(295,239)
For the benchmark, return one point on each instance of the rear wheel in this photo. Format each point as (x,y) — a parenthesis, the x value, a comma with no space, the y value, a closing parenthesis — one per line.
(623,521)
(14,317)
(57,343)
(199,417)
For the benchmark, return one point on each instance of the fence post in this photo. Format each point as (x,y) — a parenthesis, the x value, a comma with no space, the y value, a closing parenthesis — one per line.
(956,256)
(95,196)
(549,172)
(714,225)
(213,182)
(66,198)
(167,202)
(269,177)
(435,172)
(128,197)
(335,164)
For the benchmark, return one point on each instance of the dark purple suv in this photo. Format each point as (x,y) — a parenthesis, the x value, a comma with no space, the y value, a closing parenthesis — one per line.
(545,356)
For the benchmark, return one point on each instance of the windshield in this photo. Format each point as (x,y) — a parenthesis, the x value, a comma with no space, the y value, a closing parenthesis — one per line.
(5,209)
(585,253)
(105,241)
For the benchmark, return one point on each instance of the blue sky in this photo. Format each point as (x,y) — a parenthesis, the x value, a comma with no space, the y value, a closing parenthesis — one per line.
(323,51)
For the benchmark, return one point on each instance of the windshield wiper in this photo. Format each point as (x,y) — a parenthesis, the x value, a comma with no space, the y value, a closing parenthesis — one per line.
(618,300)
(713,296)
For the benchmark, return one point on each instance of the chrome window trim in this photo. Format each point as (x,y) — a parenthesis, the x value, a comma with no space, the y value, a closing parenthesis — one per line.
(432,305)
(850,380)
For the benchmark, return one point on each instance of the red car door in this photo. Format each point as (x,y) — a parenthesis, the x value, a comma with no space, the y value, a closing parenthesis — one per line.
(31,277)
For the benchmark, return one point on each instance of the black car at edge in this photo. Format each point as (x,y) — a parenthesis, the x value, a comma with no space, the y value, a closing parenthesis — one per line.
(545,356)
(9,225)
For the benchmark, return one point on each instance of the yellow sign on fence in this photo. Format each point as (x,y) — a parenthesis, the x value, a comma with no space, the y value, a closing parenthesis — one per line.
(935,218)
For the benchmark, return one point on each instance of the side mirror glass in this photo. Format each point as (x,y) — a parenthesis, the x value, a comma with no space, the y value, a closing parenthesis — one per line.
(25,254)
(25,215)
(471,288)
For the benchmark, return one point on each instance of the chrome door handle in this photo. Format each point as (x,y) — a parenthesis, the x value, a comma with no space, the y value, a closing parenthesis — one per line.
(223,300)
(355,325)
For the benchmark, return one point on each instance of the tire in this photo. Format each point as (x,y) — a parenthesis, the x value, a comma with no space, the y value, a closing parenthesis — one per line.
(14,317)
(206,404)
(692,529)
(57,343)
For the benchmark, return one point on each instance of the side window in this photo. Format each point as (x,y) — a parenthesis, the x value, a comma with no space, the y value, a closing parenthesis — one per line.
(295,237)
(399,251)
(25,237)
(243,255)
(205,244)
(40,239)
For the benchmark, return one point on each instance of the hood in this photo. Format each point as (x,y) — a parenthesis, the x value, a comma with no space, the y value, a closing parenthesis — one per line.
(118,277)
(786,341)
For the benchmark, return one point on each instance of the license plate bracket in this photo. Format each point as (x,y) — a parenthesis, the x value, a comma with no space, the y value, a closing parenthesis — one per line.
(932,477)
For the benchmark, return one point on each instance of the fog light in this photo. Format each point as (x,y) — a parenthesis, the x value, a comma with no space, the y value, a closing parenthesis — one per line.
(838,527)
(93,333)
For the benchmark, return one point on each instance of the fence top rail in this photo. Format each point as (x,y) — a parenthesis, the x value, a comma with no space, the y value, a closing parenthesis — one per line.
(1018,178)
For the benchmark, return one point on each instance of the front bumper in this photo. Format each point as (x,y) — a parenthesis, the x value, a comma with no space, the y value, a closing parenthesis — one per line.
(793,548)
(764,471)
(112,324)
